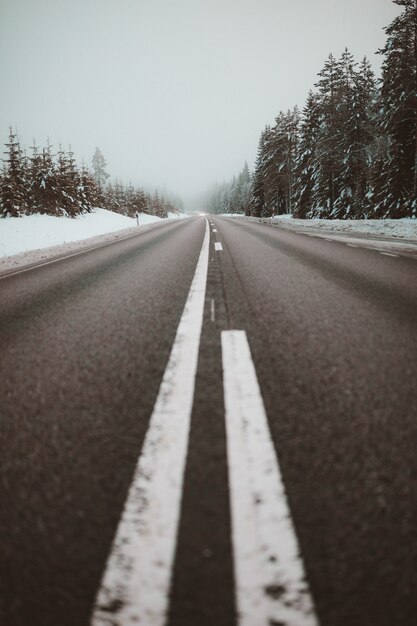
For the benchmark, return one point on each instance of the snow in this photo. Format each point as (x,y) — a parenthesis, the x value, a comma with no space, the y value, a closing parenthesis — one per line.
(31,238)
(405,228)
(402,229)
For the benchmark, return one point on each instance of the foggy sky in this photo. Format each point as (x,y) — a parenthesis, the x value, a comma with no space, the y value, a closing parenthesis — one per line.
(174,92)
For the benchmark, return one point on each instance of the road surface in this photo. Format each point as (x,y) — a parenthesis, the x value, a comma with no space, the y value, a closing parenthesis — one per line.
(327,360)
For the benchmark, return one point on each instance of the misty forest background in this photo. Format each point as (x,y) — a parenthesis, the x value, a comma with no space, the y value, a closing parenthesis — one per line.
(351,153)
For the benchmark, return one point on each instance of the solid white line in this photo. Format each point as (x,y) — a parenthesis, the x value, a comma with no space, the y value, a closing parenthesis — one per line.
(270,578)
(212,311)
(218,246)
(135,586)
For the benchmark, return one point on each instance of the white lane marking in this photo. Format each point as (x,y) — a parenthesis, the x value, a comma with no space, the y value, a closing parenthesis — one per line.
(352,245)
(214,230)
(212,311)
(218,246)
(388,253)
(270,578)
(136,582)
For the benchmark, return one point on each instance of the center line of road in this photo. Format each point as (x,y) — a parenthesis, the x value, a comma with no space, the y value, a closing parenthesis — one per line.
(270,580)
(218,246)
(136,583)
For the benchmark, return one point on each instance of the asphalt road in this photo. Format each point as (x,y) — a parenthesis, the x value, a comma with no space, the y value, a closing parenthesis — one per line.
(84,345)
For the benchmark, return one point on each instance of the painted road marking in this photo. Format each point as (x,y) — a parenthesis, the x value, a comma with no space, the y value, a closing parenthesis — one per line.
(212,311)
(135,586)
(352,245)
(218,246)
(270,578)
(214,230)
(388,253)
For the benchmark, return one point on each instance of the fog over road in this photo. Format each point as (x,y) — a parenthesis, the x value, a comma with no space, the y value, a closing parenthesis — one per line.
(325,372)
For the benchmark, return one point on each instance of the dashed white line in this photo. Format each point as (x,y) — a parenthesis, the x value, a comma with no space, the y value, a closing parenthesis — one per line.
(388,253)
(214,230)
(212,311)
(352,245)
(136,582)
(218,246)
(270,579)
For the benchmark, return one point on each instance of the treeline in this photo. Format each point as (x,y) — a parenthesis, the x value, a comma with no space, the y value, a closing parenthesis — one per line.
(233,196)
(54,184)
(352,151)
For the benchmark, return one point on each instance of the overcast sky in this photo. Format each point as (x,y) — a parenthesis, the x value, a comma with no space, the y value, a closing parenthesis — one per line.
(174,92)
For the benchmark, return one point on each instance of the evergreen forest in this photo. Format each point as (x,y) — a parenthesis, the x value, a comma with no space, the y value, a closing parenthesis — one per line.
(352,151)
(54,184)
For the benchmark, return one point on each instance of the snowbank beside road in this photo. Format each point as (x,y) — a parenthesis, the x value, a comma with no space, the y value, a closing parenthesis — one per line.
(401,229)
(31,238)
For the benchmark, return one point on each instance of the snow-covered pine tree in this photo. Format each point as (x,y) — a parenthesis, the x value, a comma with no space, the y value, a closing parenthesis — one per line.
(273,163)
(130,200)
(35,169)
(14,189)
(257,201)
(140,201)
(109,197)
(66,201)
(89,193)
(306,161)
(399,112)
(99,169)
(119,198)
(286,138)
(329,153)
(356,113)
(345,178)
(245,179)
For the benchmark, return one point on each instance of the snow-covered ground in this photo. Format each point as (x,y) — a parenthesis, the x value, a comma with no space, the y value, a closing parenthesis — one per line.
(401,229)
(29,239)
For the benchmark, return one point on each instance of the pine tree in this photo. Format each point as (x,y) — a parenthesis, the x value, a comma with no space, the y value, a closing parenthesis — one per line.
(88,191)
(140,201)
(99,169)
(286,142)
(358,125)
(399,100)
(68,184)
(257,202)
(306,159)
(245,189)
(329,154)
(13,180)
